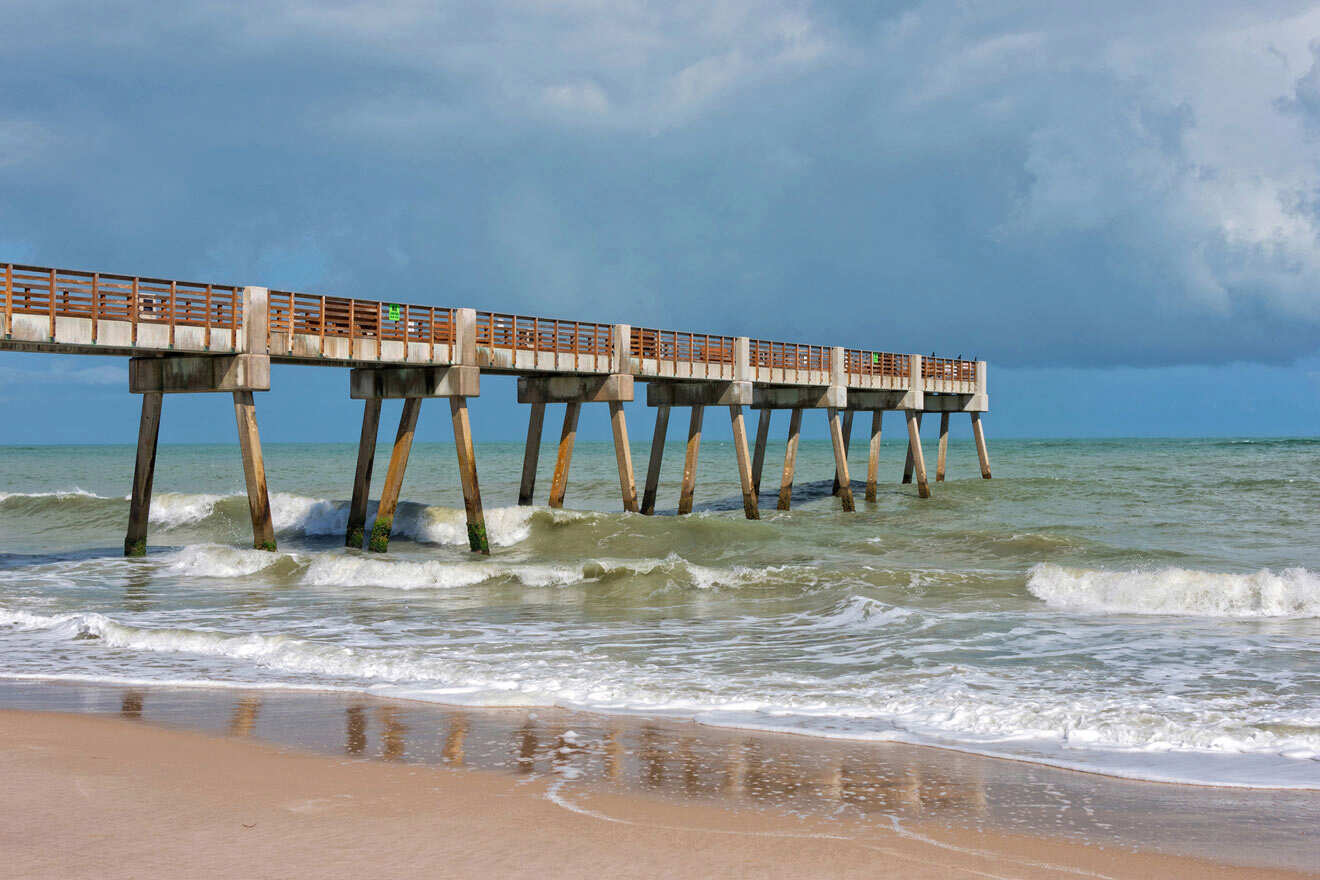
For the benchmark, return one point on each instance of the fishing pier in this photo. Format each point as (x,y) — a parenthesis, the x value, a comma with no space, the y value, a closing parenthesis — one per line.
(188,338)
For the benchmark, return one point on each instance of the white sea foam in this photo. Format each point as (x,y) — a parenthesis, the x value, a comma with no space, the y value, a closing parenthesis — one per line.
(357,571)
(171,509)
(1291,592)
(219,560)
(75,492)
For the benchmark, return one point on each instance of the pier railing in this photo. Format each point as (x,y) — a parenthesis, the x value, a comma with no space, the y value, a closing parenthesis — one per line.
(126,312)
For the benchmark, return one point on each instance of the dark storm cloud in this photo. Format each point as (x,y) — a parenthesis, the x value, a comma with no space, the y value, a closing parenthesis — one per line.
(1033,183)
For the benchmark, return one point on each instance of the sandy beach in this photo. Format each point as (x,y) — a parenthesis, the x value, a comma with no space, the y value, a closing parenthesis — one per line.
(120,796)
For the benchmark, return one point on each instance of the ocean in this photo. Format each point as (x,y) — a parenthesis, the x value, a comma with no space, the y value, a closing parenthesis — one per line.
(1141,608)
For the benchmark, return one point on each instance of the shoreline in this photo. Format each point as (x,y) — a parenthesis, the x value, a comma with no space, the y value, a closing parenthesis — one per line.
(659,775)
(605,716)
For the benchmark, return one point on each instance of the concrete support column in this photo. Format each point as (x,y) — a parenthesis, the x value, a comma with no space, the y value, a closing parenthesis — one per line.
(254,471)
(758,455)
(144,471)
(657,456)
(847,446)
(254,335)
(467,473)
(840,460)
(567,437)
(690,461)
(981,452)
(790,459)
(873,456)
(944,447)
(465,336)
(623,456)
(750,509)
(357,508)
(908,464)
(389,493)
(532,454)
(914,450)
(621,348)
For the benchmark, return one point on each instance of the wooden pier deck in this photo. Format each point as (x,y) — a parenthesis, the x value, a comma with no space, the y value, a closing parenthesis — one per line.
(191,337)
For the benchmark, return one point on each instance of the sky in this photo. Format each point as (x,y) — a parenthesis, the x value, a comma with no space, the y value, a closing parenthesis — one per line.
(1117,205)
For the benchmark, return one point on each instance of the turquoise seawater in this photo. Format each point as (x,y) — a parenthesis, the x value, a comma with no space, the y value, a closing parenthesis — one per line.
(1143,608)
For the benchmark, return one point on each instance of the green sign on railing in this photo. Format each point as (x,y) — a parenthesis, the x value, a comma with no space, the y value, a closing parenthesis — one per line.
(395,311)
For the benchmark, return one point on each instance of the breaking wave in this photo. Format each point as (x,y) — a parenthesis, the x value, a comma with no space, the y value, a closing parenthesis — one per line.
(1289,593)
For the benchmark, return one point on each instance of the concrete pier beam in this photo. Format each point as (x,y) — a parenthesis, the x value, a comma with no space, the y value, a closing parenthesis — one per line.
(944,447)
(873,455)
(914,449)
(357,508)
(254,471)
(758,455)
(790,459)
(135,541)
(478,542)
(982,453)
(657,457)
(532,454)
(690,461)
(623,456)
(567,437)
(389,493)
(750,507)
(840,459)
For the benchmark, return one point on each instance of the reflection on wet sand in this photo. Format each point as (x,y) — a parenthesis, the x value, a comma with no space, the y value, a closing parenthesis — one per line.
(130,704)
(871,782)
(244,718)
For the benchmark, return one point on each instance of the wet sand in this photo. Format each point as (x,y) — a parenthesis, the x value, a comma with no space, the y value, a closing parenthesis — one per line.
(200,782)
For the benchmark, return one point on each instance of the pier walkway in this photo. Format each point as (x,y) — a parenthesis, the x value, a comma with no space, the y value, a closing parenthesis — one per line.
(191,337)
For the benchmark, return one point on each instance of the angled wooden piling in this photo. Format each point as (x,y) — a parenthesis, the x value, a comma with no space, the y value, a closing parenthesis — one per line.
(254,471)
(908,463)
(357,508)
(982,453)
(657,457)
(840,459)
(389,493)
(750,507)
(944,447)
(623,456)
(467,474)
(873,456)
(690,461)
(567,437)
(758,456)
(847,445)
(144,471)
(914,450)
(790,459)
(532,454)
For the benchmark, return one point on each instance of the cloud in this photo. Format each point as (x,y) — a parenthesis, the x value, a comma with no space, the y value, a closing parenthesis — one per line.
(1037,183)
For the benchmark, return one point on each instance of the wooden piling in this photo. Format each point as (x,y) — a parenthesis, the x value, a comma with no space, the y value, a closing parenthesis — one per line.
(758,456)
(532,454)
(357,509)
(135,541)
(907,465)
(623,456)
(790,460)
(657,456)
(389,493)
(847,444)
(750,508)
(567,437)
(467,474)
(840,460)
(981,452)
(914,449)
(873,456)
(690,461)
(944,447)
(254,471)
